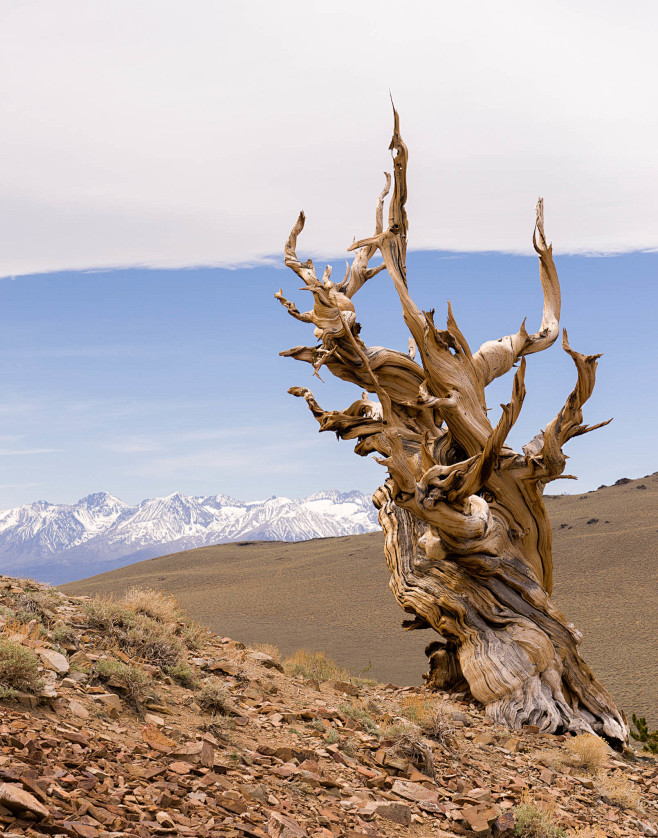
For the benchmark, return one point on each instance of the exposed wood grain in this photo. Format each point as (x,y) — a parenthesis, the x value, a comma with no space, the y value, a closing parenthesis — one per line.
(467,537)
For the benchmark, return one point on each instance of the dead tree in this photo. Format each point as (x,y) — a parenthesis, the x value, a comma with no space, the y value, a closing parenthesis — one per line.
(467,537)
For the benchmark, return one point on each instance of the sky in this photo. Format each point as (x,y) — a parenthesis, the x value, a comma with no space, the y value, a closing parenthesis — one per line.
(155,156)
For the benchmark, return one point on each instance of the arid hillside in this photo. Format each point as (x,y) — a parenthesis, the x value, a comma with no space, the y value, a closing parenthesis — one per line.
(332,594)
(124,718)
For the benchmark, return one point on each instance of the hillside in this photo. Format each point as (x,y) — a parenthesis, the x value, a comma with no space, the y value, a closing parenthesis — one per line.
(332,594)
(126,719)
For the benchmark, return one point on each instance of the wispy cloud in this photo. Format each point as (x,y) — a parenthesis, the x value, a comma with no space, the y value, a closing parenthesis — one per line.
(13,452)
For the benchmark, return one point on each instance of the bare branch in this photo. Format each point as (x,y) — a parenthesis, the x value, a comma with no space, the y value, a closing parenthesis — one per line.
(495,357)
(545,450)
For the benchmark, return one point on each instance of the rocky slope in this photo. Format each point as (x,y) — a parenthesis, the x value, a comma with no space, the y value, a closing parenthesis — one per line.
(142,724)
(61,542)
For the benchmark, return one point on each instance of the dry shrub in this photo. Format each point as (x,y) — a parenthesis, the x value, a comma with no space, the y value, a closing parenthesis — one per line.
(315,665)
(131,680)
(552,758)
(36,603)
(19,669)
(215,697)
(429,715)
(619,791)
(268,649)
(589,751)
(27,633)
(408,743)
(536,819)
(153,604)
(135,634)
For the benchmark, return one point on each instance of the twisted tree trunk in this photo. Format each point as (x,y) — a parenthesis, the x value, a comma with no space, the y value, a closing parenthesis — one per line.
(468,541)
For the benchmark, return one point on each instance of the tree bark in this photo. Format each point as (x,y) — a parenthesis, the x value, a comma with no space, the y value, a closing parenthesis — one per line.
(468,540)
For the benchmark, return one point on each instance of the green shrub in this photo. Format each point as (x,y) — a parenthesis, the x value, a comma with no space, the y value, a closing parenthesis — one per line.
(183,675)
(534,822)
(650,740)
(19,668)
(361,715)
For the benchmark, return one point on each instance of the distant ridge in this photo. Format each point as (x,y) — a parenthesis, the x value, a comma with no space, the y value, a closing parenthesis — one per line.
(61,542)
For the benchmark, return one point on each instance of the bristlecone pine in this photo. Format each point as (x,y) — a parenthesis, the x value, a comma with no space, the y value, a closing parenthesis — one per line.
(468,540)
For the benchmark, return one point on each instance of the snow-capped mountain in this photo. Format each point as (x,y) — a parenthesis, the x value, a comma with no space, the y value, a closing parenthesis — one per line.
(62,542)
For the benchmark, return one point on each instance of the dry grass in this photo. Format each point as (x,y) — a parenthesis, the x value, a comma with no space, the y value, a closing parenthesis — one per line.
(28,633)
(19,669)
(619,791)
(306,664)
(153,604)
(588,751)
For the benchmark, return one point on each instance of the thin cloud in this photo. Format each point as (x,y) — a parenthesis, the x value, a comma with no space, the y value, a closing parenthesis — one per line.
(125,158)
(10,452)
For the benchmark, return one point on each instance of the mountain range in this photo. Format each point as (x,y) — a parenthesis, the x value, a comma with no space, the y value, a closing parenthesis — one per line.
(61,542)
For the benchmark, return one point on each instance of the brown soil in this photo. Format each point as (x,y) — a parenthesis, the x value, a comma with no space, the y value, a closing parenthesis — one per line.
(332,594)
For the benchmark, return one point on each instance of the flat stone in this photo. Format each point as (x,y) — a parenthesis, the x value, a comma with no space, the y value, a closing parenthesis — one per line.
(54,660)
(281,826)
(393,811)
(414,791)
(78,709)
(16,799)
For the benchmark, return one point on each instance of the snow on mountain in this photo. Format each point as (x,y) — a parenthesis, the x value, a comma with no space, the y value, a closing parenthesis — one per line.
(61,542)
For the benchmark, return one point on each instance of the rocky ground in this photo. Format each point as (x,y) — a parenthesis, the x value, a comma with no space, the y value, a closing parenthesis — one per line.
(126,719)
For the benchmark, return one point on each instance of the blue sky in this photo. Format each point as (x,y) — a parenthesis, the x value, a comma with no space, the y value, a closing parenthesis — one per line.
(151,151)
(145,382)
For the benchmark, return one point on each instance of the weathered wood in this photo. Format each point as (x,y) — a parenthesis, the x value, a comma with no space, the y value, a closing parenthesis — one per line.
(468,540)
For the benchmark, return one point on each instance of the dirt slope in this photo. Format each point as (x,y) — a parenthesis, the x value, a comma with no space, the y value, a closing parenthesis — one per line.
(135,723)
(332,594)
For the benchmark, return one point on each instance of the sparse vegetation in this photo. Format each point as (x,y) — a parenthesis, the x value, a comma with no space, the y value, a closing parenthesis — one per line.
(153,604)
(135,633)
(408,743)
(19,669)
(588,751)
(35,604)
(361,715)
(535,819)
(215,697)
(64,635)
(317,665)
(131,680)
(649,739)
(430,716)
(183,675)
(619,791)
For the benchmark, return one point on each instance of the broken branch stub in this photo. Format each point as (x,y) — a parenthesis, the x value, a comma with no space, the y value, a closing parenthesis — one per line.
(467,537)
